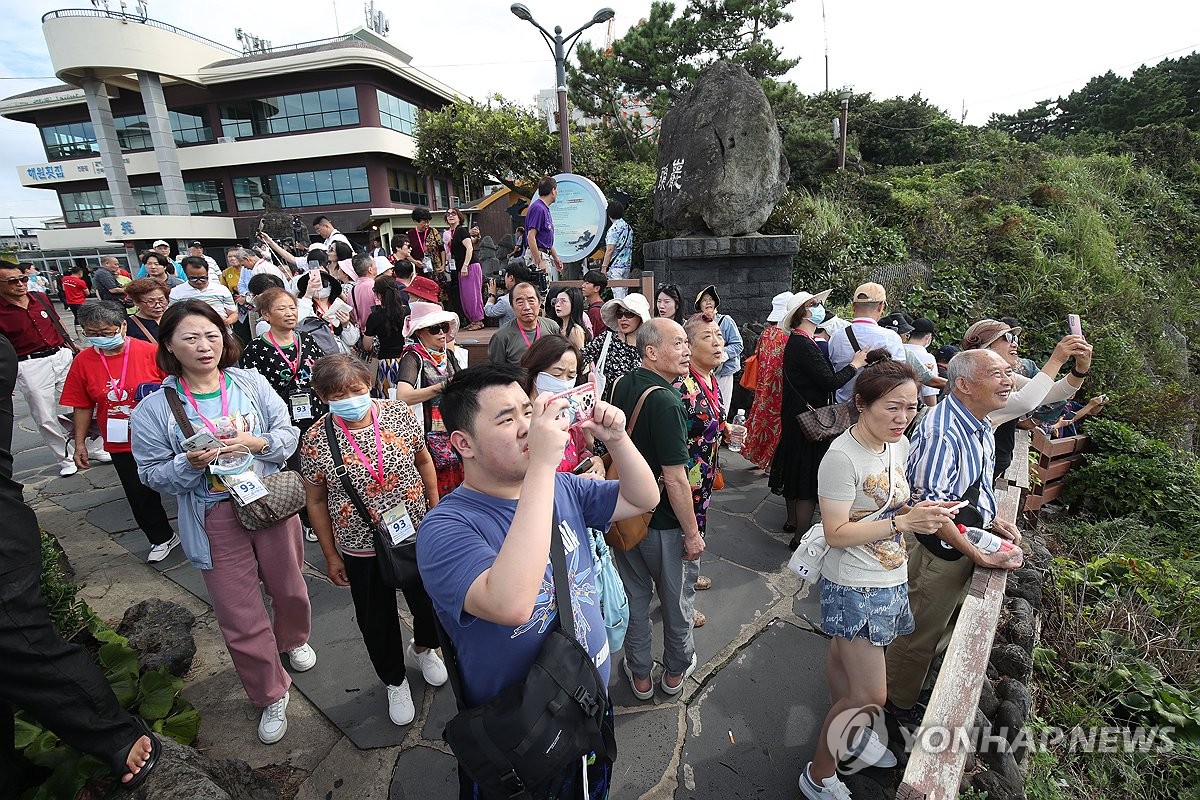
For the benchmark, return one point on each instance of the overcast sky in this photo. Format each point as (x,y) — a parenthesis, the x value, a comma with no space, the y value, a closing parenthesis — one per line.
(986,57)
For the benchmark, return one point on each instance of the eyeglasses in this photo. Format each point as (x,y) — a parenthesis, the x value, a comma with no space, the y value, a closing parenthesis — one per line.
(151,301)
(15,281)
(625,313)
(441,327)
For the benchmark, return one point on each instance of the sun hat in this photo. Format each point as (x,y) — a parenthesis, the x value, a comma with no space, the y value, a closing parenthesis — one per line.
(779,304)
(710,289)
(984,332)
(631,302)
(424,288)
(426,315)
(797,302)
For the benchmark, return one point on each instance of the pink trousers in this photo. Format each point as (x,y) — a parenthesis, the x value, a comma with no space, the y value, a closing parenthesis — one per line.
(241,559)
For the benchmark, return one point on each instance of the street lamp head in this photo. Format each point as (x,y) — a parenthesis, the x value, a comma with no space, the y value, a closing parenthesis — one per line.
(845,94)
(603,15)
(520,11)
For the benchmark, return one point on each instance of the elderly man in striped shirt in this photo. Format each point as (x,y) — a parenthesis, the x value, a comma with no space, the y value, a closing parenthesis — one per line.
(951,457)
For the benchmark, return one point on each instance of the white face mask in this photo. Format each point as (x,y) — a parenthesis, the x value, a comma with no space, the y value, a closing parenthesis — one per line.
(548,383)
(322,293)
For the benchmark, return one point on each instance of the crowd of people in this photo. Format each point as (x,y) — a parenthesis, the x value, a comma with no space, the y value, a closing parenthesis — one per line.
(342,371)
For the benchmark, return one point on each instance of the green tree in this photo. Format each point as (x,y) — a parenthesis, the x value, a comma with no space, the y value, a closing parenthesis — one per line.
(500,141)
(658,59)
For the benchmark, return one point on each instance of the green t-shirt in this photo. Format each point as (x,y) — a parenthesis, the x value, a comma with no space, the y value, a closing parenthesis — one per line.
(661,431)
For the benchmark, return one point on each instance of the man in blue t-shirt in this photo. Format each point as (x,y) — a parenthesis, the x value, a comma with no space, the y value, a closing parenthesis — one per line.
(539,230)
(484,550)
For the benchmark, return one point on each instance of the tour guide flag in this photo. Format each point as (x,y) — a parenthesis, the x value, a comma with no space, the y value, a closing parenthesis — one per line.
(579,213)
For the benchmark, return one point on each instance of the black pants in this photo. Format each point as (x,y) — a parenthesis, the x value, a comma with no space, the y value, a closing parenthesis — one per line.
(54,681)
(379,620)
(146,503)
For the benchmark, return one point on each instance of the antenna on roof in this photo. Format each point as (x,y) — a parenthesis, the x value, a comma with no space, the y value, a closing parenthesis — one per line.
(251,44)
(376,20)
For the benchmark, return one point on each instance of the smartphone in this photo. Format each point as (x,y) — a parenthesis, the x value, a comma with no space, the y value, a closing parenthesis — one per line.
(581,402)
(584,466)
(202,440)
(1073,326)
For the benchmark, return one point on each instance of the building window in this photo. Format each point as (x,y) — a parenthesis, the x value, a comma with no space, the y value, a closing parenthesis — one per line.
(86,206)
(205,197)
(304,189)
(70,140)
(399,115)
(291,113)
(190,127)
(407,187)
(442,192)
(150,199)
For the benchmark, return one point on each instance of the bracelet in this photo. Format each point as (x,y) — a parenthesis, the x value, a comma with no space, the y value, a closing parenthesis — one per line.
(895,530)
(1079,374)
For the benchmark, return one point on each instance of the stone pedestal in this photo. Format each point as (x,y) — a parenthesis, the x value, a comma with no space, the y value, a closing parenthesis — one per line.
(747,270)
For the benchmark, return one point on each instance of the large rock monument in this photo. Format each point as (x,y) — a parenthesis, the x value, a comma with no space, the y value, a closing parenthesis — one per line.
(721,170)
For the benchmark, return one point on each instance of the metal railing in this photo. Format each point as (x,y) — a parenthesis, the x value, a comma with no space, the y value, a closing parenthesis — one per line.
(153,23)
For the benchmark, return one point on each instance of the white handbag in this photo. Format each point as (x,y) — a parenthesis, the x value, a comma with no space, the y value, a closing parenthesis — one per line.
(810,554)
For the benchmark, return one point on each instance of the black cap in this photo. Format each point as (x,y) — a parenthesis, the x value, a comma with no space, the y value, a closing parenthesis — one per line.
(944,353)
(922,326)
(195,244)
(896,322)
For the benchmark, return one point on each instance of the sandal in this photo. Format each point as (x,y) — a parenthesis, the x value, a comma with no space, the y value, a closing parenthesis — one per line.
(474,326)
(703,582)
(151,760)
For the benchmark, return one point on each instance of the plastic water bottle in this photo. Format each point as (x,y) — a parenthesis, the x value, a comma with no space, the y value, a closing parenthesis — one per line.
(735,438)
(986,541)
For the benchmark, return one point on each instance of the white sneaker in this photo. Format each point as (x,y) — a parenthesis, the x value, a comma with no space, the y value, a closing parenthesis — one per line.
(309,534)
(872,752)
(400,704)
(67,467)
(160,551)
(830,788)
(100,457)
(432,668)
(303,658)
(677,688)
(273,724)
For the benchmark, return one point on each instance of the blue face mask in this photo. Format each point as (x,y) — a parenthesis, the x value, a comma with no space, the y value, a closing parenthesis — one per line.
(351,409)
(106,342)
(816,314)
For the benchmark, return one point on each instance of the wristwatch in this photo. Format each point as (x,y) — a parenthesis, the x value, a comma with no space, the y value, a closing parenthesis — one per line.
(1079,374)
(266,447)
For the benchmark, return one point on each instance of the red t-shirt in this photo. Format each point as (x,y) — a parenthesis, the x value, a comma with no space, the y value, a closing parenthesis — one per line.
(91,383)
(75,290)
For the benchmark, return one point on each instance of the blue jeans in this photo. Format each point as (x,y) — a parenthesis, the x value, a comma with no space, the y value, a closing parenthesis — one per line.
(657,563)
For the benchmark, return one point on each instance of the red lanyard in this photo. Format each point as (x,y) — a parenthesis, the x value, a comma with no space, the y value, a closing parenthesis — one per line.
(224,403)
(378,476)
(537,331)
(295,367)
(118,387)
(714,400)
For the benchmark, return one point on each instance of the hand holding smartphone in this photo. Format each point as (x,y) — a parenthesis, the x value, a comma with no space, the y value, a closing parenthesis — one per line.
(202,440)
(581,402)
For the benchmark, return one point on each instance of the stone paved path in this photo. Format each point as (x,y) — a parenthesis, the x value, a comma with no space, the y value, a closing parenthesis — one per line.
(743,727)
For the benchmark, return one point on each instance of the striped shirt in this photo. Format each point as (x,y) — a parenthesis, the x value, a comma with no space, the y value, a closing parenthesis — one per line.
(951,450)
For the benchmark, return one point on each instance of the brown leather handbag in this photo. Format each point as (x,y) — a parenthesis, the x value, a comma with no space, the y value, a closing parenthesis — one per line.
(627,534)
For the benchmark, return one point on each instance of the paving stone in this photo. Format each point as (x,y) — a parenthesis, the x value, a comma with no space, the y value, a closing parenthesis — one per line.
(32,460)
(646,742)
(773,699)
(84,501)
(441,711)
(72,484)
(807,604)
(113,517)
(736,539)
(184,574)
(423,773)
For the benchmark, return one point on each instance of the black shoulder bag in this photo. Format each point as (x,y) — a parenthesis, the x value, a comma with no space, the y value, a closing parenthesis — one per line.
(516,746)
(397,562)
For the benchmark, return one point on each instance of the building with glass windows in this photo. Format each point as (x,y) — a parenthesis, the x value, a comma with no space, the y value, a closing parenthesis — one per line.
(158,133)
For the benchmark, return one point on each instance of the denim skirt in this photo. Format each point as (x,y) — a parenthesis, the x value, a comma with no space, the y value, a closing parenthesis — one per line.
(876,614)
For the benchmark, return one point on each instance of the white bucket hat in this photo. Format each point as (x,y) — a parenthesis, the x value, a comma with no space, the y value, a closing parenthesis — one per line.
(636,303)
(426,315)
(779,304)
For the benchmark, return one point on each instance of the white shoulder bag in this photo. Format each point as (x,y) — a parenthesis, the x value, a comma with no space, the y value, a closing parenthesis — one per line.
(810,554)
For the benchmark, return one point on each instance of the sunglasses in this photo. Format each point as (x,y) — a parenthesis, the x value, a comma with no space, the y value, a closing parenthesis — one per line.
(198,279)
(624,313)
(1010,337)
(15,281)
(441,327)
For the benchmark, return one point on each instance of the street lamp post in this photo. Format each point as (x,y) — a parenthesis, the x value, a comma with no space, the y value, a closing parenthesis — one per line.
(844,96)
(561,47)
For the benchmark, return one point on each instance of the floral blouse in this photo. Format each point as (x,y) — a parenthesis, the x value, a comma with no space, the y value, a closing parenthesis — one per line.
(620,359)
(402,439)
(261,355)
(705,429)
(763,427)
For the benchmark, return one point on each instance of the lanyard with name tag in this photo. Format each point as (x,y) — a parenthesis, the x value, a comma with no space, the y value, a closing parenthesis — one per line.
(301,405)
(398,524)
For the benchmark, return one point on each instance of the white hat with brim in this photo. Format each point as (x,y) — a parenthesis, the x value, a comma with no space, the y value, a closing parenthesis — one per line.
(636,303)
(426,315)
(796,303)
(779,304)
(833,325)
